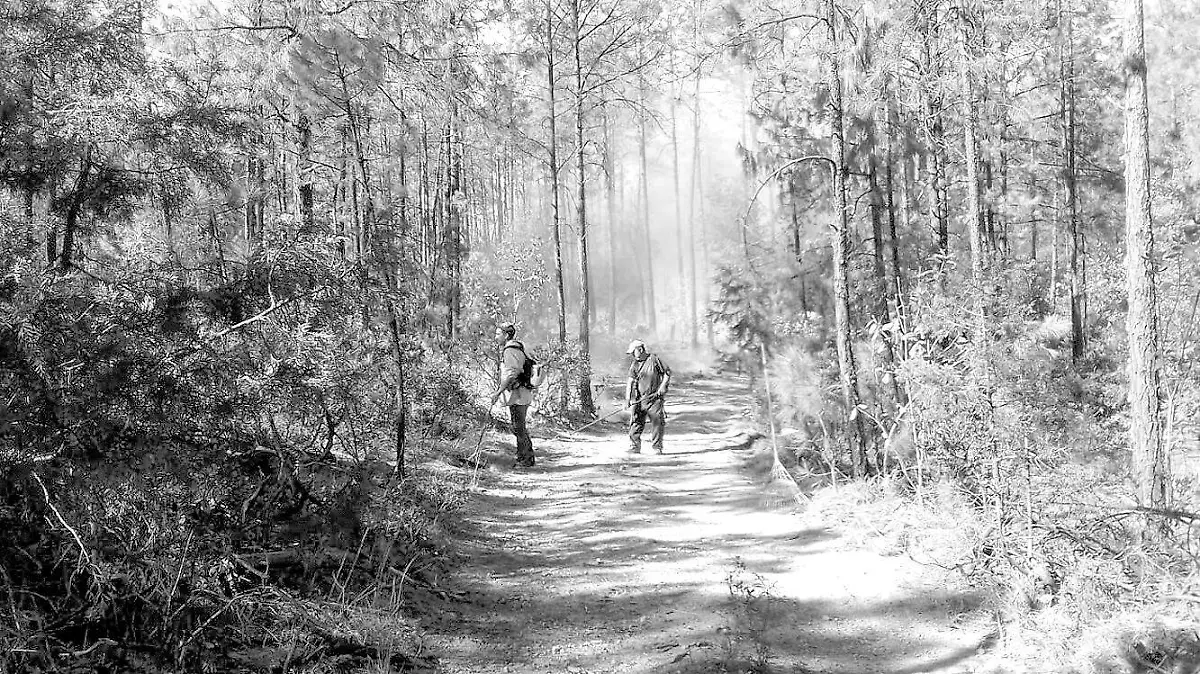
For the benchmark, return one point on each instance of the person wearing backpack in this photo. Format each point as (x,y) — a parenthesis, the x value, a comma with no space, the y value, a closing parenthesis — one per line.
(645,394)
(515,390)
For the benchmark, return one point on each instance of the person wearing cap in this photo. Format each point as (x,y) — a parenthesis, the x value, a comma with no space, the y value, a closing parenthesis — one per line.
(513,393)
(645,393)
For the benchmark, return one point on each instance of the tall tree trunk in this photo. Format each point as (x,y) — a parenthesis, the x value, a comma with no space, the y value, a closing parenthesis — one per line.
(399,393)
(694,193)
(1034,232)
(610,192)
(679,237)
(794,242)
(1067,124)
(1055,262)
(1150,462)
(704,267)
(895,280)
(651,308)
(453,221)
(935,136)
(878,258)
(554,186)
(304,179)
(405,224)
(847,367)
(585,288)
(977,219)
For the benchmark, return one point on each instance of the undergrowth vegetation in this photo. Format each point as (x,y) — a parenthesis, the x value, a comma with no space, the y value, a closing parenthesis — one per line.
(1013,478)
(199,466)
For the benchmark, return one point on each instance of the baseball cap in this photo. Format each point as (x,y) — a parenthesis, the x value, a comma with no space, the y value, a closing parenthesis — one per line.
(634,345)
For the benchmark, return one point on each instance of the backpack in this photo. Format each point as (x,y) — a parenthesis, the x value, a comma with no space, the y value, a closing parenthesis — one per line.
(525,376)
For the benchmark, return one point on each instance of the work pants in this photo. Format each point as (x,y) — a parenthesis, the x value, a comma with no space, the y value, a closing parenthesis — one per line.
(653,412)
(517,414)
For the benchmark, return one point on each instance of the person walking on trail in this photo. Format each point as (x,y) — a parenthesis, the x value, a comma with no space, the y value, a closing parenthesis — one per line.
(645,395)
(515,390)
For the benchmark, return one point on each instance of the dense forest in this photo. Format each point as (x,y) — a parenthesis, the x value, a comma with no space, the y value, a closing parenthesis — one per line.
(256,252)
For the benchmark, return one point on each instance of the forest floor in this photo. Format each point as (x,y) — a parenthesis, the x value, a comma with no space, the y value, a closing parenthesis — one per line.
(599,561)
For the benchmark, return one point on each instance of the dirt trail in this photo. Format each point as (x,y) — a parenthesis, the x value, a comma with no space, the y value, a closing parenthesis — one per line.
(597,561)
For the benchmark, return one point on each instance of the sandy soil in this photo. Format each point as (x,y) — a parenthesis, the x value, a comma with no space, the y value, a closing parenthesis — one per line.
(599,561)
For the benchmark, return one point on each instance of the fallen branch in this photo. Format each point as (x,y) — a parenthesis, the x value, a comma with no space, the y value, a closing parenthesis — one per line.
(83,553)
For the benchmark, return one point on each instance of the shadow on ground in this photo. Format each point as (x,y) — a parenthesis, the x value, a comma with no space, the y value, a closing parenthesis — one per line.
(596,561)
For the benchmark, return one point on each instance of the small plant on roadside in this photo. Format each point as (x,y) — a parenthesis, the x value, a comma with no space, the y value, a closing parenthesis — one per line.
(752,608)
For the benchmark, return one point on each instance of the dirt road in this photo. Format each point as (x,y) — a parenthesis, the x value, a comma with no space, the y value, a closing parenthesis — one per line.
(597,561)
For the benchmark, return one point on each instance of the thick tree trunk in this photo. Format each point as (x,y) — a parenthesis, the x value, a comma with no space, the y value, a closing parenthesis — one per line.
(1150,462)
(847,367)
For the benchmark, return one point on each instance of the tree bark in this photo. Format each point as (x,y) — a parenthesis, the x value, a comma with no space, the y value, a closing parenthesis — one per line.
(651,309)
(847,367)
(304,180)
(1151,468)
(74,208)
(1069,174)
(585,289)
(878,258)
(936,135)
(679,237)
(610,190)
(554,186)
(694,201)
(977,219)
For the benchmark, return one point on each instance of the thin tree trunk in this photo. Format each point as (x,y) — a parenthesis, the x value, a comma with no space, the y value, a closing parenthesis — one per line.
(694,196)
(218,245)
(304,143)
(585,288)
(554,186)
(936,136)
(1055,228)
(847,367)
(895,281)
(704,268)
(71,220)
(679,237)
(1067,124)
(610,192)
(977,221)
(1034,233)
(651,308)
(1150,462)
(882,313)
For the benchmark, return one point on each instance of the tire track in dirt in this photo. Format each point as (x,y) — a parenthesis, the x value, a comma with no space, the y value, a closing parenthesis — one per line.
(597,561)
